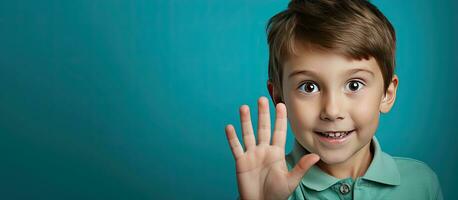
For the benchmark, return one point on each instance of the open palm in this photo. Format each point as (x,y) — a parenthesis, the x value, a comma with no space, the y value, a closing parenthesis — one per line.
(261,170)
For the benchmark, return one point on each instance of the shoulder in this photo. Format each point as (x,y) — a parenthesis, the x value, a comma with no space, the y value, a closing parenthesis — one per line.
(410,166)
(418,174)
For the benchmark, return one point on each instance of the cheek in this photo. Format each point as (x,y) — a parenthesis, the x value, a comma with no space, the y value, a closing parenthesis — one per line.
(302,114)
(366,114)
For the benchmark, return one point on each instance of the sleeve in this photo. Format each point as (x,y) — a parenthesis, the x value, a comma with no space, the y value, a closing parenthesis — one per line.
(436,187)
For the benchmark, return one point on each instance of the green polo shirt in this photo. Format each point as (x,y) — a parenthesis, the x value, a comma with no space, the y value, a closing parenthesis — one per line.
(386,178)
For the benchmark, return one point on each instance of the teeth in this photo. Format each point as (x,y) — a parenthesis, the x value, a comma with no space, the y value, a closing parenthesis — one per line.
(337,135)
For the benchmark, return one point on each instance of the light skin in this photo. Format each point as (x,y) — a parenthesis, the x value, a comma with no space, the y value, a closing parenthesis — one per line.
(322,91)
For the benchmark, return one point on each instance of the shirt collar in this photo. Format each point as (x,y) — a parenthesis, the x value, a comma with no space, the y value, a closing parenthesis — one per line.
(382,169)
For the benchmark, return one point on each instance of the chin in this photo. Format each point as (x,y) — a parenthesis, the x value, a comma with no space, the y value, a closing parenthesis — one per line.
(333,159)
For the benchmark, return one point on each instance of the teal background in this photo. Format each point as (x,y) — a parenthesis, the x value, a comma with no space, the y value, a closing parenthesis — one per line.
(129,99)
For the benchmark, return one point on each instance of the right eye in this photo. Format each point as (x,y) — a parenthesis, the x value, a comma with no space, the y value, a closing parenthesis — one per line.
(308,87)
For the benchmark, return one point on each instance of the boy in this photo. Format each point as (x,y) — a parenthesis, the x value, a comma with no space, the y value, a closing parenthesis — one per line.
(331,65)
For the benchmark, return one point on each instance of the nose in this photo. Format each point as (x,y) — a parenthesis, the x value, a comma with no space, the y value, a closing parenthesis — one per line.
(331,107)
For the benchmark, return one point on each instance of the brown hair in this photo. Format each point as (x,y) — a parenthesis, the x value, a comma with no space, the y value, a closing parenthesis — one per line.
(353,28)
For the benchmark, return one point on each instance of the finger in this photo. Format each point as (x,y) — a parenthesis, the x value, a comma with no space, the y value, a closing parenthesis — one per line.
(264,121)
(279,137)
(301,167)
(247,127)
(234,142)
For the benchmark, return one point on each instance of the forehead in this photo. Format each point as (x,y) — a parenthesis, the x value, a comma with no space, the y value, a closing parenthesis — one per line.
(315,62)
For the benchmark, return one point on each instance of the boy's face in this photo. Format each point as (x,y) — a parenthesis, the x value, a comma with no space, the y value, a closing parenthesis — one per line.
(325,92)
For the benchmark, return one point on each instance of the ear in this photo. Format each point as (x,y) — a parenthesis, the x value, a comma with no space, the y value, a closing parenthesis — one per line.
(274,92)
(387,101)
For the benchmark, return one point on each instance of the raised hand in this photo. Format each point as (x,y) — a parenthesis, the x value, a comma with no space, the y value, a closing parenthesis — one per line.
(261,169)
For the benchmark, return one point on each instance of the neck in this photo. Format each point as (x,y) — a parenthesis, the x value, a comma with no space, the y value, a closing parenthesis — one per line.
(356,166)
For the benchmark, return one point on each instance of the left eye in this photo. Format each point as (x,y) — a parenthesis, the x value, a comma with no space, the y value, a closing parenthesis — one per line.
(354,85)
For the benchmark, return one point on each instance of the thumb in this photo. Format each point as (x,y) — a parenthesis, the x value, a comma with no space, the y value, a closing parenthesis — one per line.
(301,167)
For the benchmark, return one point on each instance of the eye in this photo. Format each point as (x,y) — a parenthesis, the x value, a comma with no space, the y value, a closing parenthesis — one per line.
(309,87)
(354,85)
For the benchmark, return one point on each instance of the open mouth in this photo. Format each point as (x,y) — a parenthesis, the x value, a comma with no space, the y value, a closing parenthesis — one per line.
(335,134)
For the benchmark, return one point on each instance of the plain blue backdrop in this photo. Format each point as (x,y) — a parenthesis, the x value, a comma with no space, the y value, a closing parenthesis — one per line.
(129,99)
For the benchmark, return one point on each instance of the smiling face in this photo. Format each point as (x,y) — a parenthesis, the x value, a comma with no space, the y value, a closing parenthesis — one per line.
(334,103)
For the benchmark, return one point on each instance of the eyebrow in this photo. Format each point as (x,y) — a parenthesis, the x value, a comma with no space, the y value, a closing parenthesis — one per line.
(307,72)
